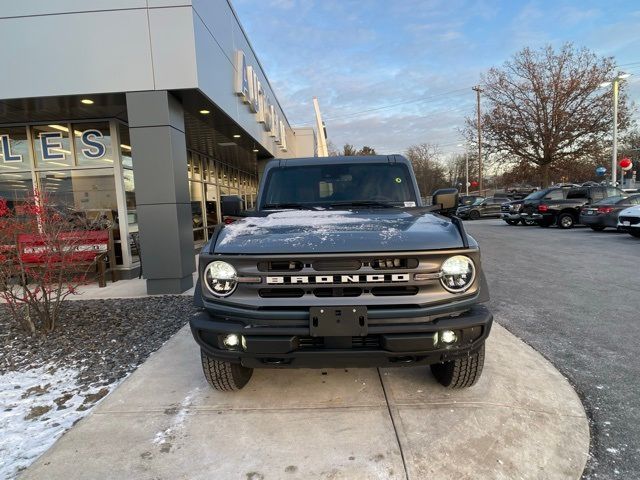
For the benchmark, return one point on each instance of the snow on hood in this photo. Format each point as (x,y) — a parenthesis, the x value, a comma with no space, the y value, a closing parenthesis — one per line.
(330,231)
(318,221)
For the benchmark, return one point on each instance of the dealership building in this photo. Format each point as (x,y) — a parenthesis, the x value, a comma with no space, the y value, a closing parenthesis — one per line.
(144,113)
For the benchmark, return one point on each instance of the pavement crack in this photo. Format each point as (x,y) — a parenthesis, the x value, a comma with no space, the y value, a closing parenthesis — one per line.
(393,423)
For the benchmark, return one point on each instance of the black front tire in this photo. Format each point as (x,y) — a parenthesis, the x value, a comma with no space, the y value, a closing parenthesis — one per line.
(474,215)
(462,372)
(512,222)
(224,376)
(597,228)
(566,221)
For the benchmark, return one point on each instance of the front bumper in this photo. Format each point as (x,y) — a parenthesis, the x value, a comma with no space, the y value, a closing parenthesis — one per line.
(531,216)
(267,344)
(599,220)
(510,216)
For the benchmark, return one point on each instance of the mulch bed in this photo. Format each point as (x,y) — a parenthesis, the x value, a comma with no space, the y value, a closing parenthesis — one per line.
(106,339)
(53,380)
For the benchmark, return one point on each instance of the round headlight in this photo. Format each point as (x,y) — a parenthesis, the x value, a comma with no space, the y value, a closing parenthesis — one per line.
(220,278)
(457,273)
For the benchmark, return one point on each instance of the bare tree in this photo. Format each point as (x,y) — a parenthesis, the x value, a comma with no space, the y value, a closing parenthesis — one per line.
(429,171)
(350,151)
(365,150)
(545,107)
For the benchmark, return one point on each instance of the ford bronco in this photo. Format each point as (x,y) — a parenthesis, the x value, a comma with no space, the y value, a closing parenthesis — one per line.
(341,265)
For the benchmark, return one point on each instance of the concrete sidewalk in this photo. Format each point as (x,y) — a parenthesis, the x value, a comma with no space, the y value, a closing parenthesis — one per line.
(522,420)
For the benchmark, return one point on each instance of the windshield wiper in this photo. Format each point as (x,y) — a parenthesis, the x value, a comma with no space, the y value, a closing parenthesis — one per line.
(283,206)
(362,203)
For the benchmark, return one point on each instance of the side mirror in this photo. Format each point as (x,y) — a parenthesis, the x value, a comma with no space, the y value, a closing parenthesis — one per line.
(231,205)
(446,199)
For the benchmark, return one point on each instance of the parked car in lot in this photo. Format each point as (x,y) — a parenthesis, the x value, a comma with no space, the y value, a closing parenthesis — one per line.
(519,192)
(469,199)
(604,213)
(561,206)
(629,220)
(487,207)
(511,213)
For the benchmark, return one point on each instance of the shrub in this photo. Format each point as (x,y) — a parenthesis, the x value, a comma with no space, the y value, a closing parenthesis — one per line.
(41,260)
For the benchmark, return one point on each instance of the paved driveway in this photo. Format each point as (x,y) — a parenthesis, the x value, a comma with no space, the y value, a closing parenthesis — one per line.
(574,295)
(522,420)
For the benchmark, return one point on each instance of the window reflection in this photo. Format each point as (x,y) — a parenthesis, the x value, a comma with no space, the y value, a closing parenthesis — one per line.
(93,144)
(52,146)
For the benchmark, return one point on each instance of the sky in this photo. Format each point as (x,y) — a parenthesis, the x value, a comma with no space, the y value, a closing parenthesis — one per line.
(395,73)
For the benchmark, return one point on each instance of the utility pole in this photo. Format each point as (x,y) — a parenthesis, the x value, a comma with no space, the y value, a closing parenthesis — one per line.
(322,139)
(614,156)
(478,90)
(466,166)
(615,87)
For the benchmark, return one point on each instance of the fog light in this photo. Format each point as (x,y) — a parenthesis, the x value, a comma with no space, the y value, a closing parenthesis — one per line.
(231,341)
(448,337)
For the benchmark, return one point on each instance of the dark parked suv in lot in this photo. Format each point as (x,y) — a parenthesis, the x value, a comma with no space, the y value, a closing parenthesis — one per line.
(487,207)
(341,266)
(561,206)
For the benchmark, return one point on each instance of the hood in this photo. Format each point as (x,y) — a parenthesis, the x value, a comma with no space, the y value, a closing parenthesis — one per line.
(631,211)
(333,231)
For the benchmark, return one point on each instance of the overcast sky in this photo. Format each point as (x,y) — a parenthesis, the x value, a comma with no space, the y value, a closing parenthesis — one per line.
(359,55)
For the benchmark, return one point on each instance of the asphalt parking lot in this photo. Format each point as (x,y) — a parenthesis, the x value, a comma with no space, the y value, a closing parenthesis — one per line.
(574,295)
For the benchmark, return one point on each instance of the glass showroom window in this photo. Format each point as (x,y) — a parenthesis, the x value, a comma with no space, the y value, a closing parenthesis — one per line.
(52,146)
(92,143)
(16,188)
(91,192)
(195,193)
(14,149)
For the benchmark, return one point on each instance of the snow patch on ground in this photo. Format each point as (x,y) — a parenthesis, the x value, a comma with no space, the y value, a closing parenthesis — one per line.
(164,437)
(36,407)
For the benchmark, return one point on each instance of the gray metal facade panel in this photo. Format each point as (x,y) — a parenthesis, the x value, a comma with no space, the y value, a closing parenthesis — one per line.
(215,71)
(21,8)
(218,36)
(173,50)
(168,3)
(77,53)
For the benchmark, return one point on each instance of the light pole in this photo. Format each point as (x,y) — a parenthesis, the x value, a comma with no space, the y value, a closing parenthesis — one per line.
(466,167)
(615,86)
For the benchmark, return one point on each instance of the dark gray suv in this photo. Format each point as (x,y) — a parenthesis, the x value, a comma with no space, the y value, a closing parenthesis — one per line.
(487,207)
(341,266)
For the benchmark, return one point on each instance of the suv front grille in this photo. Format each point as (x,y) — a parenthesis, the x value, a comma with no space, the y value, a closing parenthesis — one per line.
(631,220)
(369,341)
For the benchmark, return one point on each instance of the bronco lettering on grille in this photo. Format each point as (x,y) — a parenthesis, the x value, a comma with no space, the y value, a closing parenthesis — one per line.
(321,279)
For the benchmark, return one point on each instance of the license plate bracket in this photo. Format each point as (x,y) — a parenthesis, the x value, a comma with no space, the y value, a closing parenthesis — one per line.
(338,321)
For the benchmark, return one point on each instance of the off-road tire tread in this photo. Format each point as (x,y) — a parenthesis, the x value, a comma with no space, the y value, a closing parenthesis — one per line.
(462,372)
(224,376)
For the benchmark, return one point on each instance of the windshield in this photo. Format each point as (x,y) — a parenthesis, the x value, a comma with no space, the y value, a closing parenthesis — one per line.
(610,200)
(535,195)
(478,201)
(366,184)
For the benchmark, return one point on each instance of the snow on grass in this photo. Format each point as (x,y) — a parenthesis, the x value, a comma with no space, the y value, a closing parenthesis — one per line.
(36,407)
